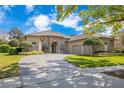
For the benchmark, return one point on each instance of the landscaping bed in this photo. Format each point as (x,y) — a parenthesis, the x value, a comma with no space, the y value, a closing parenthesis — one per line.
(95,61)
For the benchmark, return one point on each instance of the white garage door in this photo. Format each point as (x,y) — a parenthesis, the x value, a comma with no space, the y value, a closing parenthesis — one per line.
(87,50)
(76,49)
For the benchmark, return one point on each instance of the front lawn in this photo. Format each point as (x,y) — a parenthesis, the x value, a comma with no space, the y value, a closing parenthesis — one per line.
(95,61)
(9,66)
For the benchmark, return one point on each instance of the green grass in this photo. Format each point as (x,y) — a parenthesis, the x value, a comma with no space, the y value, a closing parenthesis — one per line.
(9,66)
(95,61)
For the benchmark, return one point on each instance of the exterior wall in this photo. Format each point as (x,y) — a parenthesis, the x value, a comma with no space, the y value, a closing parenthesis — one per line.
(72,47)
(118,44)
(49,39)
(76,47)
(36,40)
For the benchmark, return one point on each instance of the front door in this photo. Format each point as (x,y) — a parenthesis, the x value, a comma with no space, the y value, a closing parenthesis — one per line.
(53,47)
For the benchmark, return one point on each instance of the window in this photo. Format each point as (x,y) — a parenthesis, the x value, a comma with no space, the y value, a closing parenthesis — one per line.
(34,44)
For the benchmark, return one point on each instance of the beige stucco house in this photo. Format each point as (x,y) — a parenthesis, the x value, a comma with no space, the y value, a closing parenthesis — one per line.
(52,42)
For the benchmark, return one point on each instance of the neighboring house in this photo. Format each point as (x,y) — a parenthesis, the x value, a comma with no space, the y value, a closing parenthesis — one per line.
(57,43)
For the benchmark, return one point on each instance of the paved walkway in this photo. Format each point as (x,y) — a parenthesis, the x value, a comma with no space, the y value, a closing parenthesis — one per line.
(50,70)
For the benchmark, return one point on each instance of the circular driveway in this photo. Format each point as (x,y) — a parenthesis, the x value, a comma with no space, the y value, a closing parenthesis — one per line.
(50,70)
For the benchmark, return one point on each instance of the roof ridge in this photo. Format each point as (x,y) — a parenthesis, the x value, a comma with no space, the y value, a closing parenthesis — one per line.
(49,32)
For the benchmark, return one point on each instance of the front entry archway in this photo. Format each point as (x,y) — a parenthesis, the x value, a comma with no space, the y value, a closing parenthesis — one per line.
(54,47)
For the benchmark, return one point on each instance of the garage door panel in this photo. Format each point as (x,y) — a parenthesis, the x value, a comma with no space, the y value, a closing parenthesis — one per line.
(76,49)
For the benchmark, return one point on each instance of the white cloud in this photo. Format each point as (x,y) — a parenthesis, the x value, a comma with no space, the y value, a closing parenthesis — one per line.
(3,10)
(43,22)
(2,16)
(7,7)
(38,23)
(71,22)
(29,8)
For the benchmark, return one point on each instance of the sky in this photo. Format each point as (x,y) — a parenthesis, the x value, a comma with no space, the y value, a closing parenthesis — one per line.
(38,18)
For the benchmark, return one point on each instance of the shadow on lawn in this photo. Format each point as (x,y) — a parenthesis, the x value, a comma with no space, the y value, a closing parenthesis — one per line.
(9,71)
(82,62)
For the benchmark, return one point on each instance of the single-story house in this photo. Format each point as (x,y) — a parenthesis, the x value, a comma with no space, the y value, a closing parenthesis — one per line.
(53,42)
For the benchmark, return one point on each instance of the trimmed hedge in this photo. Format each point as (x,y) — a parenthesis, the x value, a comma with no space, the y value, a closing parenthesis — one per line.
(12,51)
(31,53)
(4,48)
(118,50)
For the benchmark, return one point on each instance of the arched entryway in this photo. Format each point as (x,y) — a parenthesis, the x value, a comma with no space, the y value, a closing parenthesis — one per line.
(54,47)
(45,47)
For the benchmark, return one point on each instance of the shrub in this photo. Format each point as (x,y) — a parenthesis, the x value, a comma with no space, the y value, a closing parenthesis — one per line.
(118,50)
(4,48)
(122,51)
(31,53)
(14,43)
(12,51)
(19,49)
(25,45)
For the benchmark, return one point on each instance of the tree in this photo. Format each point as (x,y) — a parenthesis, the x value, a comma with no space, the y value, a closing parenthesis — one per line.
(3,41)
(94,43)
(15,33)
(14,42)
(96,18)
(25,45)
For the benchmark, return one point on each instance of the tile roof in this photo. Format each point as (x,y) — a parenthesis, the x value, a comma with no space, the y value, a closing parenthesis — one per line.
(48,33)
(79,37)
(71,38)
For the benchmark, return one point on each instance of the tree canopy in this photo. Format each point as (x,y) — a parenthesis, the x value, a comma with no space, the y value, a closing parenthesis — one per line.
(94,43)
(14,42)
(96,18)
(15,33)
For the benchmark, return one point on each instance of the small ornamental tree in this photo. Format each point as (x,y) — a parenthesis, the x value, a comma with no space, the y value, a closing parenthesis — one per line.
(14,42)
(25,45)
(94,43)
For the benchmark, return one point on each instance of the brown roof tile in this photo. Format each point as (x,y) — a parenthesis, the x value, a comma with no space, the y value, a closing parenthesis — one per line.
(48,33)
(79,37)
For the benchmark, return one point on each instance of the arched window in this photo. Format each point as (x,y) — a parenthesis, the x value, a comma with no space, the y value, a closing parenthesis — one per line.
(34,44)
(62,46)
(45,47)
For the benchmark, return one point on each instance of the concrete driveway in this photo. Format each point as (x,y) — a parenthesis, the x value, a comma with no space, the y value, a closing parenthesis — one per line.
(50,70)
